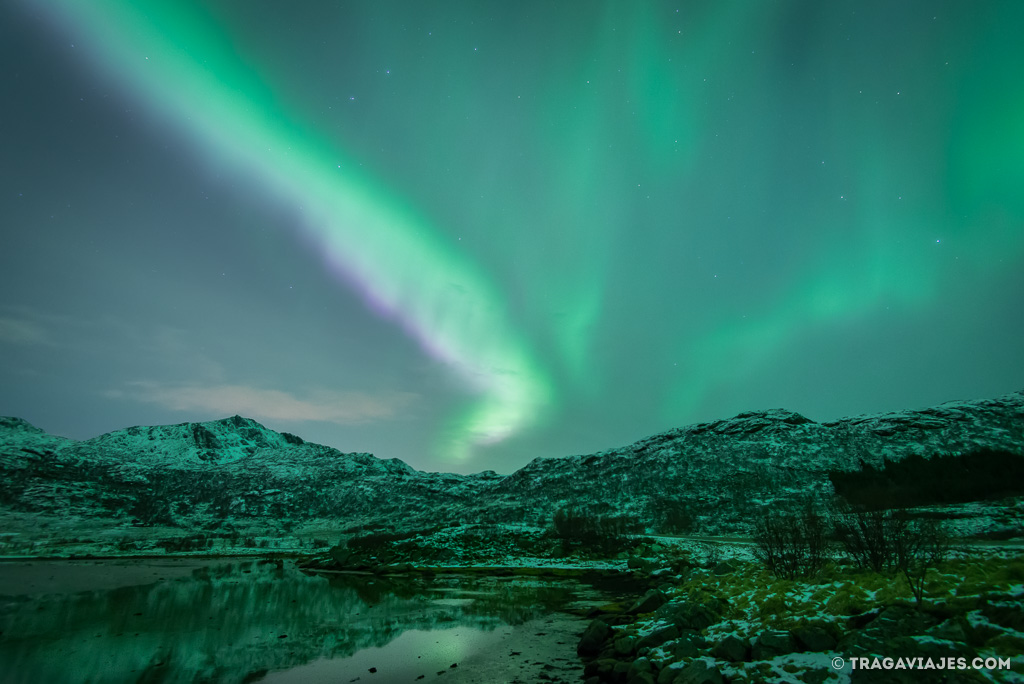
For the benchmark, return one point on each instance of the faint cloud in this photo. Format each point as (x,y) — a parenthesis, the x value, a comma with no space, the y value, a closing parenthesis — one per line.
(23,331)
(268,404)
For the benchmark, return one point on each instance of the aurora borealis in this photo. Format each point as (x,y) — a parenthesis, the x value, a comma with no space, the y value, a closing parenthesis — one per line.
(470,234)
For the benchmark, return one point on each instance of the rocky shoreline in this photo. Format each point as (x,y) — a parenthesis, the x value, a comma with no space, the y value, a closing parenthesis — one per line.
(711,620)
(712,615)
(698,632)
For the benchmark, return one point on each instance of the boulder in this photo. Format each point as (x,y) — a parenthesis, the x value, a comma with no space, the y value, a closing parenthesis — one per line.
(602,668)
(724,568)
(919,647)
(950,630)
(813,638)
(732,649)
(928,647)
(699,672)
(640,564)
(688,645)
(1008,613)
(593,639)
(667,675)
(767,645)
(659,636)
(862,620)
(625,645)
(663,573)
(688,615)
(891,622)
(648,603)
(637,669)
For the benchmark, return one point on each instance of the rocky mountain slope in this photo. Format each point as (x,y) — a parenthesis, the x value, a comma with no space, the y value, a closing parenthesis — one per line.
(233,476)
(721,473)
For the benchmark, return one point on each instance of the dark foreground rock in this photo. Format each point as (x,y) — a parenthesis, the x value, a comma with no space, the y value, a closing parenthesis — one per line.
(676,645)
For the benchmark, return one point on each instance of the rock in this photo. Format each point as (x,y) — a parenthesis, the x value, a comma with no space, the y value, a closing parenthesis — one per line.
(724,568)
(699,672)
(205,439)
(688,615)
(1006,643)
(928,647)
(625,645)
(641,564)
(1009,613)
(608,608)
(594,636)
(919,647)
(814,676)
(950,630)
(813,638)
(341,555)
(767,645)
(668,675)
(602,668)
(862,620)
(891,622)
(648,603)
(688,645)
(639,668)
(399,568)
(659,636)
(732,649)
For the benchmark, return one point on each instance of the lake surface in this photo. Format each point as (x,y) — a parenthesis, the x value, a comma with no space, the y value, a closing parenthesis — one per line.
(218,621)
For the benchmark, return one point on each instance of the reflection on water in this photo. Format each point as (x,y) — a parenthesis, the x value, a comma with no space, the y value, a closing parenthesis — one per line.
(235,622)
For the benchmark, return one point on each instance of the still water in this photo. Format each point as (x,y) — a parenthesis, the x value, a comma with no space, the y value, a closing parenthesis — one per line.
(209,621)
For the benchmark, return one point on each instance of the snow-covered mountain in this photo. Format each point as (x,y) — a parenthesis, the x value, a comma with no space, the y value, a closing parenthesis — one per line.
(223,476)
(721,474)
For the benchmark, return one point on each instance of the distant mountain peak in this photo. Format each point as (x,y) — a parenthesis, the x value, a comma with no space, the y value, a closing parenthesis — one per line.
(238,421)
(780,415)
(18,425)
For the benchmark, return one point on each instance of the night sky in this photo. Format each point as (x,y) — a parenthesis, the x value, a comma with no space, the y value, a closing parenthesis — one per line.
(467,234)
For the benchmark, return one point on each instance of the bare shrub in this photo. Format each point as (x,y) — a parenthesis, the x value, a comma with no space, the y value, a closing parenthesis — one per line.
(791,544)
(890,541)
(869,537)
(923,545)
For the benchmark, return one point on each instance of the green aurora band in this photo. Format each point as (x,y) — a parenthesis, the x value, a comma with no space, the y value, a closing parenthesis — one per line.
(174,57)
(825,181)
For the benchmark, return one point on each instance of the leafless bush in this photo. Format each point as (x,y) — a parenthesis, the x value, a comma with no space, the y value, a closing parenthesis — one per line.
(923,545)
(890,541)
(791,544)
(869,537)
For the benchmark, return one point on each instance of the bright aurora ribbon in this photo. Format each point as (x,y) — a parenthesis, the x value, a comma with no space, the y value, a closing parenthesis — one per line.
(178,62)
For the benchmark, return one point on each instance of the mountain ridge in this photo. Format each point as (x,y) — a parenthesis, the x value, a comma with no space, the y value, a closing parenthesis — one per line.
(234,474)
(746,422)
